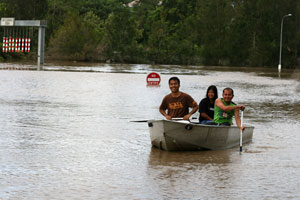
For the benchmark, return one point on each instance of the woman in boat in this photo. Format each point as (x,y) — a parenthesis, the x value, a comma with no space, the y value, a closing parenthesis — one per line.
(206,106)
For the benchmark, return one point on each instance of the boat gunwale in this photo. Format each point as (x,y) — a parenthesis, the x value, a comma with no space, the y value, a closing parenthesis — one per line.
(201,125)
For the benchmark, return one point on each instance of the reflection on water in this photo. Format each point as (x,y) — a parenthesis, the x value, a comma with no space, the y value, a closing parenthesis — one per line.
(66,134)
(164,158)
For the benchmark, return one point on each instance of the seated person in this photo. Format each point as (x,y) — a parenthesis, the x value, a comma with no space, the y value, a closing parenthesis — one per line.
(177,103)
(207,104)
(225,109)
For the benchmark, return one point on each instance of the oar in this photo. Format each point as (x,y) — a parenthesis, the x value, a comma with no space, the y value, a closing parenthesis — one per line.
(179,118)
(149,119)
(140,121)
(241,133)
(152,119)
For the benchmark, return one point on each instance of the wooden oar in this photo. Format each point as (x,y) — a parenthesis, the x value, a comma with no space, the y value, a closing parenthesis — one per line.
(241,133)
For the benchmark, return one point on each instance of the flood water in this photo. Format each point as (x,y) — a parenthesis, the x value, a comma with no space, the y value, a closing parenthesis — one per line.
(66,134)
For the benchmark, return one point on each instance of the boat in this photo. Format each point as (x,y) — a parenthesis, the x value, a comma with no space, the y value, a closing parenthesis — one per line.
(171,135)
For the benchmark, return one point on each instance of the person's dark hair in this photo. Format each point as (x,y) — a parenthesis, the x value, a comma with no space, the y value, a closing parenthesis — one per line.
(174,79)
(230,89)
(214,88)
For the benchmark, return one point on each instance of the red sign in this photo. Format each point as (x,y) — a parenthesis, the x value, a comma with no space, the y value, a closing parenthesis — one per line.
(153,79)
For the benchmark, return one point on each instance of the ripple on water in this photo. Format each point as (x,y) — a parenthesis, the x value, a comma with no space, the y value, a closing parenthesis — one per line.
(68,135)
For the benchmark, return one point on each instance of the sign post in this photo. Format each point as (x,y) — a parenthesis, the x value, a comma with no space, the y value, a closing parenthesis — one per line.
(11,22)
(153,79)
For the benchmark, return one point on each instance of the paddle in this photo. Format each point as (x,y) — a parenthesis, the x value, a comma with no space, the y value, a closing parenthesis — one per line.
(241,133)
(139,121)
(149,119)
(179,118)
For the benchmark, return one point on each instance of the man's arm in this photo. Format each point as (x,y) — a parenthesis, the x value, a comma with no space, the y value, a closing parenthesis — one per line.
(195,108)
(163,112)
(163,107)
(221,105)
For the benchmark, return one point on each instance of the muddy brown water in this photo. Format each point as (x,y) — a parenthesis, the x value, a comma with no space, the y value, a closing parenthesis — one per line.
(66,134)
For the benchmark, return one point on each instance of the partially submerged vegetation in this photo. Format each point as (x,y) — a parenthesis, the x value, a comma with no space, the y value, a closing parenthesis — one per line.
(207,32)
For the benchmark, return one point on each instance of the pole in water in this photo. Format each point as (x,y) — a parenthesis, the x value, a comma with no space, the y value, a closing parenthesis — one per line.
(13,41)
(6,46)
(3,42)
(20,40)
(9,41)
(26,40)
(22,47)
(29,37)
(16,41)
(241,133)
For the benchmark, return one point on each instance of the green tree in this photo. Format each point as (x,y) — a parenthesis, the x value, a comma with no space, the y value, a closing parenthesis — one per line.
(214,19)
(209,32)
(77,39)
(172,37)
(121,36)
(24,9)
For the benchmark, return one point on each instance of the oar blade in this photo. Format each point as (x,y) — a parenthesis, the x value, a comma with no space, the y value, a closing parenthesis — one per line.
(140,121)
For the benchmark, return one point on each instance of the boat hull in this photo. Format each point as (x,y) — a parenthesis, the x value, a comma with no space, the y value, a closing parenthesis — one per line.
(184,136)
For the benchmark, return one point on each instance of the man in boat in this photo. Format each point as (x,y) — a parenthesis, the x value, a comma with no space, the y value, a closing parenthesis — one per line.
(225,109)
(177,103)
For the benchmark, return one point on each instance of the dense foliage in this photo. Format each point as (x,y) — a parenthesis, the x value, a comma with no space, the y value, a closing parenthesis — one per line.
(207,32)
